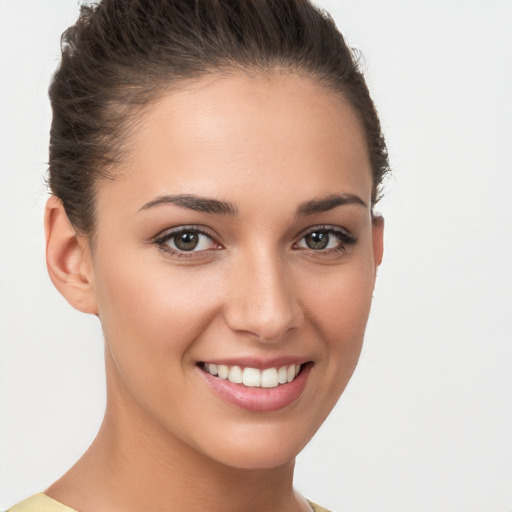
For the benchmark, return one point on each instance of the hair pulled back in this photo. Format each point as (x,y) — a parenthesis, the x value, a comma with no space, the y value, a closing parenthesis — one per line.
(123,54)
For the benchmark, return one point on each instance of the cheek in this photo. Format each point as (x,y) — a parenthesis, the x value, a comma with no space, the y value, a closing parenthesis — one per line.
(338,313)
(341,304)
(151,314)
(151,321)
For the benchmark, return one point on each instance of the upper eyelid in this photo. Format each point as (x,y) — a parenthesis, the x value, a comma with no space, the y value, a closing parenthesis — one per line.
(324,227)
(169,232)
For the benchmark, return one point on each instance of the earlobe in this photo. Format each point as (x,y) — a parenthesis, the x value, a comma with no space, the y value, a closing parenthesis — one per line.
(68,259)
(378,239)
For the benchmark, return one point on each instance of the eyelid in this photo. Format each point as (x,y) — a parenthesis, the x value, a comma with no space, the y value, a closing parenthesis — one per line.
(345,237)
(163,236)
(185,227)
(330,228)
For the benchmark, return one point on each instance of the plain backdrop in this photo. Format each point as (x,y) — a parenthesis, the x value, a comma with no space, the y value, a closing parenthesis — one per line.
(426,422)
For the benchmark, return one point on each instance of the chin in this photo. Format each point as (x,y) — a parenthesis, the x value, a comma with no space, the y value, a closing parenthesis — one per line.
(257,458)
(260,446)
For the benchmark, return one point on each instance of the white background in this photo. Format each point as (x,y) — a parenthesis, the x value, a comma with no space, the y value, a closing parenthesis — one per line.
(426,423)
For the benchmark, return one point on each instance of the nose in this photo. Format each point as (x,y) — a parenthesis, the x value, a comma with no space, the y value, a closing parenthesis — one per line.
(263,299)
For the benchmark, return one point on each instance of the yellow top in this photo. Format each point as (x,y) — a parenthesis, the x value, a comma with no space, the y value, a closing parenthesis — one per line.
(42,503)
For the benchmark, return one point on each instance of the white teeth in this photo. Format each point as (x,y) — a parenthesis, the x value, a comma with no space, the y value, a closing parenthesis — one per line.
(235,375)
(282,375)
(252,377)
(269,378)
(223,371)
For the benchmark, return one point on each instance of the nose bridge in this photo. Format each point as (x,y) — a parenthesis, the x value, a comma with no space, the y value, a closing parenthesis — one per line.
(263,301)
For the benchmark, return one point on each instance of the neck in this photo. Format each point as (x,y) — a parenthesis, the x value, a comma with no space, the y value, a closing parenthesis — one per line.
(133,465)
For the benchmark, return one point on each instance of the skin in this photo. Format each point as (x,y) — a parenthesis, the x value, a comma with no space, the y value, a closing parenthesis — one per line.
(266,144)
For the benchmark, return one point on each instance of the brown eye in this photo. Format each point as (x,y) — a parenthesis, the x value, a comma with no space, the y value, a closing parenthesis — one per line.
(186,241)
(326,239)
(317,240)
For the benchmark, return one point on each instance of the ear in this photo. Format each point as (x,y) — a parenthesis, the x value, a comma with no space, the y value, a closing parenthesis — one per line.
(378,239)
(69,259)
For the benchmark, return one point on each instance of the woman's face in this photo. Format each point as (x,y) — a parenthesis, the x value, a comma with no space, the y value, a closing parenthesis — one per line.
(237,242)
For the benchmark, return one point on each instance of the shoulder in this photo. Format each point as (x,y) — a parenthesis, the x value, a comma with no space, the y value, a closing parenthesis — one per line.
(43,503)
(314,506)
(40,503)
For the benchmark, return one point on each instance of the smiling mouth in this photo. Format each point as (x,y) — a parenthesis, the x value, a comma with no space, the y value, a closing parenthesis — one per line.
(254,377)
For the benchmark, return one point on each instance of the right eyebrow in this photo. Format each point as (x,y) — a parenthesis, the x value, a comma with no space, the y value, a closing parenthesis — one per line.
(328,203)
(193,202)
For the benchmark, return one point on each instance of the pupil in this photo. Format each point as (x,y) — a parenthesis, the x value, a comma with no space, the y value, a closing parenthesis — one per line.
(186,241)
(317,240)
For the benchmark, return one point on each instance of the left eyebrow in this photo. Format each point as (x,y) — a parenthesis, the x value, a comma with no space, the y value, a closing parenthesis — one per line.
(192,202)
(328,203)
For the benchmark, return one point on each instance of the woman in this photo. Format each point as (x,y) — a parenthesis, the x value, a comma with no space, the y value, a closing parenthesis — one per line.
(214,168)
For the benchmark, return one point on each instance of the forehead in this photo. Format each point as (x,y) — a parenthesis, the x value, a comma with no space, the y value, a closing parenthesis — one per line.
(243,135)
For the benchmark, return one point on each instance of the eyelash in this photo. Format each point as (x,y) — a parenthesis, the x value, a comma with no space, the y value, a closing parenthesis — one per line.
(345,239)
(161,241)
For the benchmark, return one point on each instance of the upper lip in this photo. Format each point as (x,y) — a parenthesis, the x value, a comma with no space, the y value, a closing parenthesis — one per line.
(258,363)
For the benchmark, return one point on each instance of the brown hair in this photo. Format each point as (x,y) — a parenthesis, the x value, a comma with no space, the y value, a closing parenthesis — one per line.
(122,54)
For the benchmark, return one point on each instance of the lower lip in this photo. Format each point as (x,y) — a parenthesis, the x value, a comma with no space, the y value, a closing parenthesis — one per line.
(259,399)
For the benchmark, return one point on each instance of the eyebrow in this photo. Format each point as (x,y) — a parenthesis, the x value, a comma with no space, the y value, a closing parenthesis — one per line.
(328,203)
(207,205)
(192,202)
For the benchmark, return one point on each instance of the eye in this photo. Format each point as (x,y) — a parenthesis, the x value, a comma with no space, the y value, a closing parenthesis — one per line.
(189,241)
(186,240)
(319,240)
(325,239)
